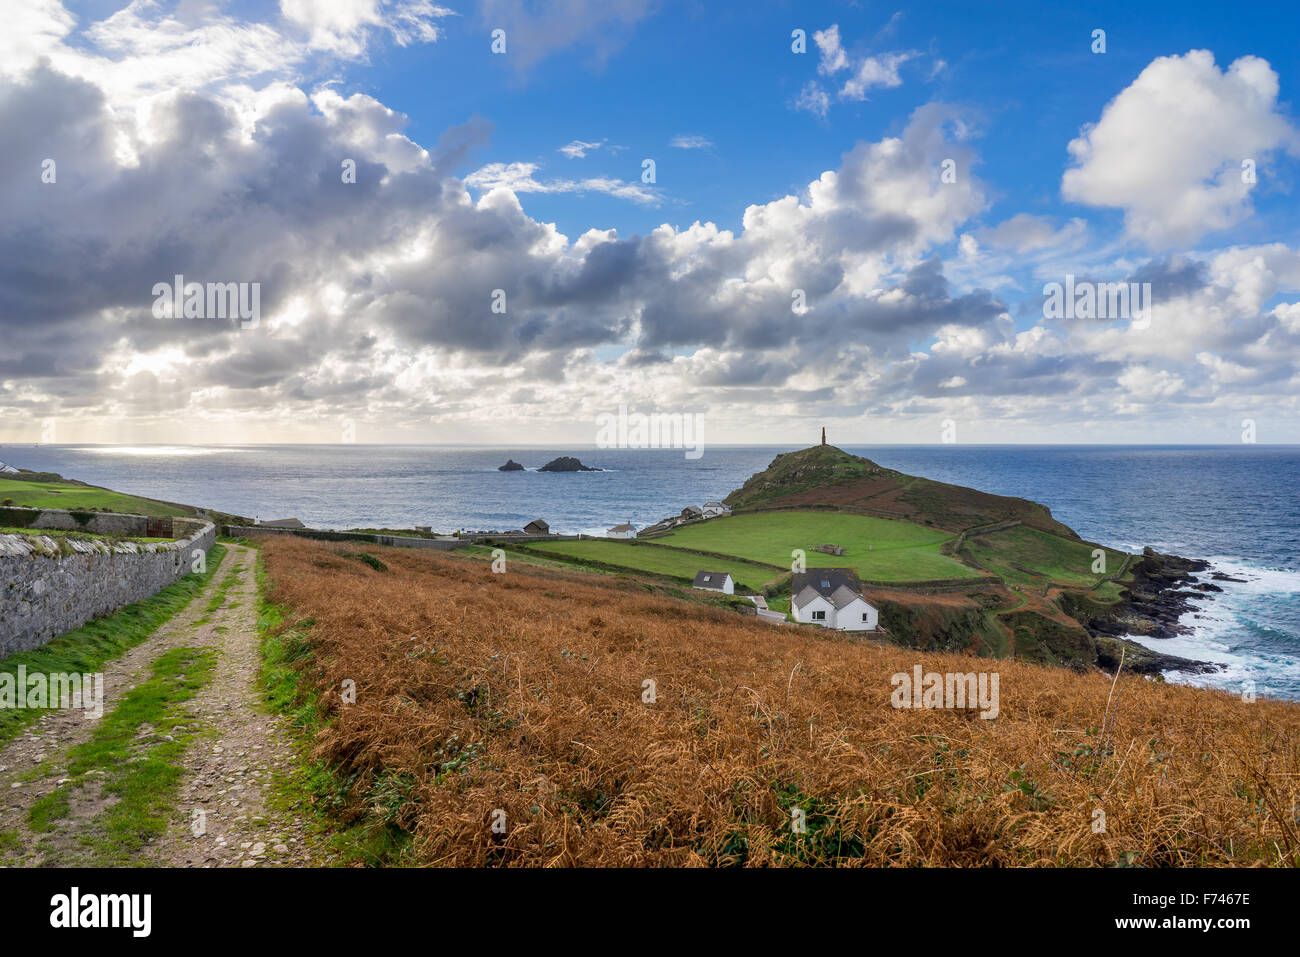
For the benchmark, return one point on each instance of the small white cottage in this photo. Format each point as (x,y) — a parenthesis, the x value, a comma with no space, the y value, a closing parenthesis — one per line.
(830,597)
(715,581)
(626,530)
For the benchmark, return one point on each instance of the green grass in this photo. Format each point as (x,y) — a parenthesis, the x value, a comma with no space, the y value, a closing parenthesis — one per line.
(89,536)
(219,595)
(86,649)
(310,789)
(138,747)
(880,549)
(1026,556)
(661,561)
(69,495)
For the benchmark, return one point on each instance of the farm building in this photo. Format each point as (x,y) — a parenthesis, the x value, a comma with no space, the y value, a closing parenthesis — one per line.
(283,523)
(537,527)
(830,597)
(716,509)
(626,530)
(715,581)
(692,511)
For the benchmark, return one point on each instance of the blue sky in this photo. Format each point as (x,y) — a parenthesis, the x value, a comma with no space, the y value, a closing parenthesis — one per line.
(1027,74)
(204,138)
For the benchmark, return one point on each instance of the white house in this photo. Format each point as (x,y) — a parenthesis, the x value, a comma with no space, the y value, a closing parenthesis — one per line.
(716,509)
(626,530)
(830,597)
(715,581)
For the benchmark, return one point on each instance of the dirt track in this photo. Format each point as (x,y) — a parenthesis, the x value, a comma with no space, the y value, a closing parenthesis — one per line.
(229,766)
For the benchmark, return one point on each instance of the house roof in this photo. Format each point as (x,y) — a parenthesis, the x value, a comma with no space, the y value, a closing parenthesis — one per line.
(844,595)
(804,596)
(711,579)
(692,508)
(840,598)
(537,523)
(716,505)
(825,580)
(625,527)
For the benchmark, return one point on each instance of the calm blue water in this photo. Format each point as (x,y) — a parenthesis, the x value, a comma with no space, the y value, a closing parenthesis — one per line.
(1237,506)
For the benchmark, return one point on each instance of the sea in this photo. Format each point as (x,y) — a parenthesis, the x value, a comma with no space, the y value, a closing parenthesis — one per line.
(1236,506)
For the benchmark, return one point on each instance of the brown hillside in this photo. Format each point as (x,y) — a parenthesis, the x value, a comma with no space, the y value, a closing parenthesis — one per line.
(523,692)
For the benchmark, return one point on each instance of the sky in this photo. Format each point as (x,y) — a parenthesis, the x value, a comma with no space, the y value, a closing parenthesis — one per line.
(495,222)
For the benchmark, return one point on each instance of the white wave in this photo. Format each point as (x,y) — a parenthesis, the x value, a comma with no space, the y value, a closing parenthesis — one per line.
(1218,627)
(1258,580)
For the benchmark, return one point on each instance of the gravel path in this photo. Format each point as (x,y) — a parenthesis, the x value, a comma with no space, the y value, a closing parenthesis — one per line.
(227,811)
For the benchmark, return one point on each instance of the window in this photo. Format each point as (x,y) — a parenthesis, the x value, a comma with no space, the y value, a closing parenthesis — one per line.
(864,616)
(825,584)
(819,616)
(708,578)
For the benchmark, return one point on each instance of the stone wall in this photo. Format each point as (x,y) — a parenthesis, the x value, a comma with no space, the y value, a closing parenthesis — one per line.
(51,585)
(95,523)
(326,535)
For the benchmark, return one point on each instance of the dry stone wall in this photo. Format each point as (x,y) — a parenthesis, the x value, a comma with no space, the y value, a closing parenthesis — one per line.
(51,585)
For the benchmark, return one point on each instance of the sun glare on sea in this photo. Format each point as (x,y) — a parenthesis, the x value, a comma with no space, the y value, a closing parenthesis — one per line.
(148,450)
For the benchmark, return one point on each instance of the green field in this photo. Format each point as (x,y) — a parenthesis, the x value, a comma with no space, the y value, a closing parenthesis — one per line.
(68,495)
(880,549)
(1026,556)
(661,561)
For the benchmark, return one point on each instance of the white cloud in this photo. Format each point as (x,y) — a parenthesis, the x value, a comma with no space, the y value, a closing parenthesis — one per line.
(1168,150)
(578,149)
(833,58)
(1025,232)
(875,71)
(519,178)
(867,72)
(813,99)
(32,29)
(376,293)
(343,26)
(686,141)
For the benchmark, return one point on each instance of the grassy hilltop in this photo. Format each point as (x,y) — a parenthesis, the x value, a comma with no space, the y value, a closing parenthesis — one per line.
(824,475)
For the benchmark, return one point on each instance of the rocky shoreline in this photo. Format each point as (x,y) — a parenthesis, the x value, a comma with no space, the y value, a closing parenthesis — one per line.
(1164,588)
